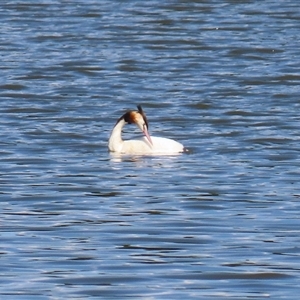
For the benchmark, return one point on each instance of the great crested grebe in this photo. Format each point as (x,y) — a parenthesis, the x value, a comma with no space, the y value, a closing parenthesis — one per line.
(145,145)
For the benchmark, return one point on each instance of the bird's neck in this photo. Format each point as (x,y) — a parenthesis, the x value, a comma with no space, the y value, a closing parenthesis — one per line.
(115,142)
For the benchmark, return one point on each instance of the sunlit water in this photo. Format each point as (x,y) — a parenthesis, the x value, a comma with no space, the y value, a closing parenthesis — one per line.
(221,77)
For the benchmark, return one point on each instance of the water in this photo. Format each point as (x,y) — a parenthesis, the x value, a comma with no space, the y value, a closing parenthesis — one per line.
(222,77)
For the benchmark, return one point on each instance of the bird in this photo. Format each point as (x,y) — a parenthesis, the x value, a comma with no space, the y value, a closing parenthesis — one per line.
(146,145)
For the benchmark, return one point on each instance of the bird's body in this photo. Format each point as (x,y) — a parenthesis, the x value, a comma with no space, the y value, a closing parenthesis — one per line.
(144,146)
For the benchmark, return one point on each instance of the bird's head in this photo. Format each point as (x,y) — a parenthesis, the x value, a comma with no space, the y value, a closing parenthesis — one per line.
(139,118)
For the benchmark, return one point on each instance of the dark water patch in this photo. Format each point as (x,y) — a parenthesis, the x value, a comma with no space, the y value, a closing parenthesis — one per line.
(16,87)
(231,276)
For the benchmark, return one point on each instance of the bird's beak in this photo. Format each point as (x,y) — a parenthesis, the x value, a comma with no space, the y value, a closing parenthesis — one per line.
(146,133)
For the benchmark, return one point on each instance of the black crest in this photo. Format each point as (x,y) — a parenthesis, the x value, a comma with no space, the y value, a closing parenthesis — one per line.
(140,110)
(127,117)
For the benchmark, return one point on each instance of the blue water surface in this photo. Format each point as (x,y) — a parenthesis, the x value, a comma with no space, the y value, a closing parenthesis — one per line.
(222,221)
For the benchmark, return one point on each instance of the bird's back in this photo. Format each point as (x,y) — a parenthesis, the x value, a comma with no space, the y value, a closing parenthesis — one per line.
(164,145)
